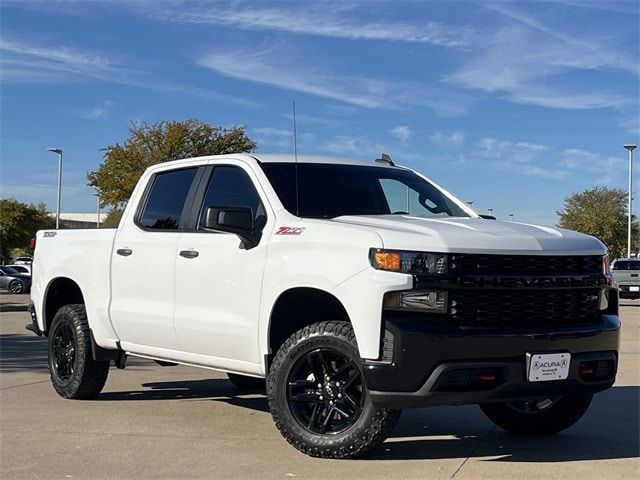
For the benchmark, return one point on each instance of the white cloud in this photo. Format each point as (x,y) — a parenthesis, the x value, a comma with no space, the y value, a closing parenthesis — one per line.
(323,19)
(22,62)
(100,112)
(402,133)
(519,157)
(281,138)
(446,140)
(276,68)
(607,169)
(525,60)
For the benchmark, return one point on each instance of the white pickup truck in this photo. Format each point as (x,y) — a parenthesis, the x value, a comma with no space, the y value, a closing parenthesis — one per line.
(356,289)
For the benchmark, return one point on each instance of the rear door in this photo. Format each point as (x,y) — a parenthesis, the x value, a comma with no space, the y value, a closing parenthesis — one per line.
(144,258)
(218,280)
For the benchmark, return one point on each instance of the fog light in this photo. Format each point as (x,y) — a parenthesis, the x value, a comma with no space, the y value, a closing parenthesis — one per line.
(416,300)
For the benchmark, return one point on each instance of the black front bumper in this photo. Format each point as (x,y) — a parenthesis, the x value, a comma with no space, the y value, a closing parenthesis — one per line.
(434,364)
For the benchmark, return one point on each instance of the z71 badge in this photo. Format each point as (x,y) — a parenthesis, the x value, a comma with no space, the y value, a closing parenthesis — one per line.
(50,234)
(290,230)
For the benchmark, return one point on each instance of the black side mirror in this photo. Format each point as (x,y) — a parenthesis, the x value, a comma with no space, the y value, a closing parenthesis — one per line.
(238,220)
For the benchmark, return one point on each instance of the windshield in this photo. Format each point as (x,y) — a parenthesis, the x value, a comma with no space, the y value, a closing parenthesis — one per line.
(627,265)
(328,190)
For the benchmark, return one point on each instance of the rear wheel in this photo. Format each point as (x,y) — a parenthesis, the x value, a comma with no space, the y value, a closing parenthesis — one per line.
(244,382)
(544,416)
(317,394)
(15,286)
(74,372)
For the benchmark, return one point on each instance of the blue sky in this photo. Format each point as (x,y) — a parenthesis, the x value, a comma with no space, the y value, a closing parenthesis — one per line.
(513,105)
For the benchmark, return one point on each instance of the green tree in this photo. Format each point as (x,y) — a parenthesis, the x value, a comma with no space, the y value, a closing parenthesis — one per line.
(148,145)
(112,219)
(601,212)
(19,223)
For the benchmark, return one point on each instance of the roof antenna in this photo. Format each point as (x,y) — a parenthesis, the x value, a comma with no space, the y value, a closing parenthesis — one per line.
(385,159)
(295,154)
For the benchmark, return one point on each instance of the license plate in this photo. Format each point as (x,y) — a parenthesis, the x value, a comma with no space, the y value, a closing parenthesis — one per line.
(634,289)
(548,366)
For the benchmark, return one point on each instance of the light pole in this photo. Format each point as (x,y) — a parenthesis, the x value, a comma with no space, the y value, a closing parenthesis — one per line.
(97,194)
(510,216)
(630,148)
(59,152)
(490,210)
(469,202)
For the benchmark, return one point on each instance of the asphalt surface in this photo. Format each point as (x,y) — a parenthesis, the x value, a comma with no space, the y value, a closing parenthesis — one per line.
(180,422)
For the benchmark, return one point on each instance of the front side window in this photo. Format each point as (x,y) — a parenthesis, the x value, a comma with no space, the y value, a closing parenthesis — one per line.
(231,187)
(166,199)
(329,191)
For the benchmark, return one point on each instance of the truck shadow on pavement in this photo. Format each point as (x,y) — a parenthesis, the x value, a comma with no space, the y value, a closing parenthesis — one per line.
(214,389)
(22,352)
(609,430)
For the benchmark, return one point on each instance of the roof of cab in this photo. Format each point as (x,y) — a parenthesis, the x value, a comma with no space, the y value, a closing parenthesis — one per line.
(274,158)
(290,158)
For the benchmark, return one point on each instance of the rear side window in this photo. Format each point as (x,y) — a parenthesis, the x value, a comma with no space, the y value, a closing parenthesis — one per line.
(166,199)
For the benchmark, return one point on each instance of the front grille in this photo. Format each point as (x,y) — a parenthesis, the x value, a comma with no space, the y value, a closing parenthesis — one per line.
(522,309)
(466,263)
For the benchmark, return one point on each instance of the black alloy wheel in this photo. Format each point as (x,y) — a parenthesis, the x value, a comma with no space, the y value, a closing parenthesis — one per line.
(74,372)
(541,416)
(318,396)
(64,352)
(325,391)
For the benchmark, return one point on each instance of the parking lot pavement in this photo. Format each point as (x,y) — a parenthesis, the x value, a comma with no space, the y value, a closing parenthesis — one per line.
(180,422)
(10,302)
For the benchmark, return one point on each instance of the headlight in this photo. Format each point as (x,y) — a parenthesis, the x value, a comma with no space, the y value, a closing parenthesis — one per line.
(415,263)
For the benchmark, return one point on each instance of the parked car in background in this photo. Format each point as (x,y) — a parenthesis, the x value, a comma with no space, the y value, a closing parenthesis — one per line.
(23,261)
(626,273)
(14,281)
(26,269)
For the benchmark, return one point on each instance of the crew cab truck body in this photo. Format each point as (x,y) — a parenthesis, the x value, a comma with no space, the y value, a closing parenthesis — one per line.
(356,289)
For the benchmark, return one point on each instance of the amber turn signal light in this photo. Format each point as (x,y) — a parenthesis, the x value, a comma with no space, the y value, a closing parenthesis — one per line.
(386,260)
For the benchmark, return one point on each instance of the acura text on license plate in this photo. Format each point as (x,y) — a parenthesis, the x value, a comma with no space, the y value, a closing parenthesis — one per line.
(548,366)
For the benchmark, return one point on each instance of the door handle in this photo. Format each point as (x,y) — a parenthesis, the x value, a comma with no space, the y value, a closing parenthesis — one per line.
(189,253)
(125,252)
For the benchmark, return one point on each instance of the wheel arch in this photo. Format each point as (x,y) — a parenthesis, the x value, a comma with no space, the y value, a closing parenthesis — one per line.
(291,311)
(59,292)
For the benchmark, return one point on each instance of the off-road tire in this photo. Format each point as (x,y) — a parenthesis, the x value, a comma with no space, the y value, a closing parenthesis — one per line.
(562,414)
(245,382)
(372,426)
(88,376)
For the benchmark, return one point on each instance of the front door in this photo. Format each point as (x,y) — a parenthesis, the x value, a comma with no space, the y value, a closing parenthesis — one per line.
(218,280)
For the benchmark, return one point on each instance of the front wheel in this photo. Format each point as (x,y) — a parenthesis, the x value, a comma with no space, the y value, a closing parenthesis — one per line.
(74,372)
(538,416)
(318,398)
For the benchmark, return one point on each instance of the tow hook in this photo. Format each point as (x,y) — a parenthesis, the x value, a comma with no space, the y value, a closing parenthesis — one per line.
(121,361)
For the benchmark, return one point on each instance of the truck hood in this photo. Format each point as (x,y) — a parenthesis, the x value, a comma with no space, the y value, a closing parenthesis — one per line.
(474,235)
